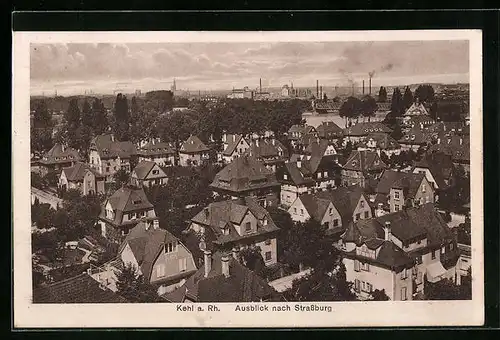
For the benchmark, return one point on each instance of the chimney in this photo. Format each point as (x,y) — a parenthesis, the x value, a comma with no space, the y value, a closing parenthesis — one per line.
(156,224)
(208,262)
(387,231)
(317,88)
(225,265)
(260,85)
(363,86)
(321,92)
(257,142)
(352,88)
(370,85)
(439,141)
(205,210)
(112,137)
(235,253)
(273,141)
(461,140)
(299,164)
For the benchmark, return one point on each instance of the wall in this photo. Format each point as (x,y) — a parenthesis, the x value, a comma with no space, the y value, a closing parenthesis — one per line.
(170,261)
(380,278)
(272,248)
(329,218)
(298,212)
(428,175)
(350,177)
(399,283)
(289,193)
(249,217)
(393,201)
(128,257)
(428,195)
(361,208)
(183,159)
(162,160)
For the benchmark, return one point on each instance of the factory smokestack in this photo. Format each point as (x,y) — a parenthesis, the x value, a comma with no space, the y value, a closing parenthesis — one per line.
(317,88)
(370,76)
(352,89)
(260,85)
(363,86)
(321,92)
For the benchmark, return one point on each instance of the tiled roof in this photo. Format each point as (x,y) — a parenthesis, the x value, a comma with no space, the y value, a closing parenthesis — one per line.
(384,141)
(60,154)
(146,244)
(108,147)
(179,171)
(345,200)
(316,207)
(329,130)
(409,182)
(143,168)
(304,174)
(193,145)
(456,146)
(363,129)
(79,289)
(242,285)
(383,106)
(439,164)
(126,199)
(77,172)
(415,136)
(156,148)
(244,173)
(219,215)
(416,109)
(302,129)
(364,160)
(267,149)
(232,142)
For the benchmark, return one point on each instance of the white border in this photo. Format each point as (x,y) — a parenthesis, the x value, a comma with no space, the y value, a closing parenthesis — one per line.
(345,314)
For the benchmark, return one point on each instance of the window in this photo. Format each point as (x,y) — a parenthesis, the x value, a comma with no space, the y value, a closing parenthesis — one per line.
(264,222)
(396,195)
(268,256)
(443,250)
(183,264)
(336,222)
(367,214)
(358,215)
(107,169)
(302,212)
(362,204)
(404,274)
(331,211)
(169,247)
(365,267)
(160,270)
(248,227)
(325,174)
(423,187)
(268,242)
(156,172)
(356,266)
(418,259)
(403,293)
(285,176)
(294,210)
(369,287)
(451,246)
(433,255)
(357,285)
(396,207)
(319,174)
(419,241)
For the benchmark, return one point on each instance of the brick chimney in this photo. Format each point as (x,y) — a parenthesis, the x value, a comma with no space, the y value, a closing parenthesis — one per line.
(225,265)
(208,262)
(387,231)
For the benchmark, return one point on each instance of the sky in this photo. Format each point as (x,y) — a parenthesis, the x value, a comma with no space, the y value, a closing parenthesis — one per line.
(102,68)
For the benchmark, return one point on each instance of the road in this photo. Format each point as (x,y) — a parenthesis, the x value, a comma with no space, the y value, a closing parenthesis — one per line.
(45,197)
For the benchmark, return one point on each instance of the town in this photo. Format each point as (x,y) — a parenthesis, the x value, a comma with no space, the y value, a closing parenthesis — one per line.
(323,193)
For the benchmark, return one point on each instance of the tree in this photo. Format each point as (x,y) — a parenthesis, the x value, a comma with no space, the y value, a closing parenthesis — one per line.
(134,287)
(87,115)
(42,116)
(396,133)
(99,120)
(407,98)
(433,111)
(379,295)
(122,118)
(72,115)
(425,93)
(121,177)
(351,109)
(40,140)
(251,258)
(397,106)
(369,107)
(382,94)
(325,98)
(446,289)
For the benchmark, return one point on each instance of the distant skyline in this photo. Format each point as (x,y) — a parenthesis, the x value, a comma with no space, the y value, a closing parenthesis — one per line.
(102,68)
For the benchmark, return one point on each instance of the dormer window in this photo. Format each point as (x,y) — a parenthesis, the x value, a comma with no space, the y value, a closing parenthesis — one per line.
(248,227)
(169,247)
(137,202)
(264,221)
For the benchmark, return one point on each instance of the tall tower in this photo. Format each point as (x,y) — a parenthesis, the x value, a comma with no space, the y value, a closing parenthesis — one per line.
(174,87)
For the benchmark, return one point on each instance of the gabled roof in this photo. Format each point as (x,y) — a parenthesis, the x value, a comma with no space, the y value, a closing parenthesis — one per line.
(143,168)
(232,142)
(156,148)
(415,136)
(146,244)
(345,200)
(226,214)
(193,145)
(439,164)
(384,141)
(364,160)
(416,109)
(316,207)
(302,129)
(456,146)
(316,148)
(363,129)
(126,199)
(267,149)
(108,147)
(78,289)
(407,181)
(242,285)
(329,130)
(244,173)
(60,154)
(77,172)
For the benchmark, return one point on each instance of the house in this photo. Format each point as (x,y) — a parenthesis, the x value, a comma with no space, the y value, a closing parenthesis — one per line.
(329,131)
(438,169)
(82,177)
(334,209)
(416,109)
(78,289)
(285,91)
(398,190)
(148,173)
(122,211)
(457,147)
(193,152)
(296,132)
(58,157)
(241,93)
(233,146)
(330,106)
(160,257)
(422,121)
(360,131)
(306,175)
(319,148)
(414,139)
(360,167)
(246,176)
(381,142)
(223,279)
(270,152)
(237,224)
(108,155)
(159,152)
(399,251)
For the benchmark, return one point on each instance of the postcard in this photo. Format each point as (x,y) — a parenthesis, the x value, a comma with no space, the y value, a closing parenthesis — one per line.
(248,179)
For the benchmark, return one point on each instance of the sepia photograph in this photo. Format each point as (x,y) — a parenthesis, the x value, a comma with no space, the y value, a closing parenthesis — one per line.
(248,178)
